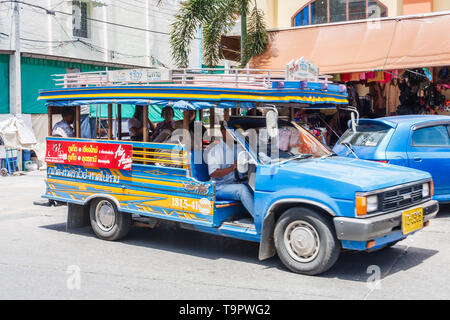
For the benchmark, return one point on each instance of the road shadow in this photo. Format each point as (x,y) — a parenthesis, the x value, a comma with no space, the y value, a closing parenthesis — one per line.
(354,266)
(350,266)
(166,237)
(444,211)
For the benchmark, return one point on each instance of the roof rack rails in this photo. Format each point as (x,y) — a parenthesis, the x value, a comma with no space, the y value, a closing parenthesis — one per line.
(228,77)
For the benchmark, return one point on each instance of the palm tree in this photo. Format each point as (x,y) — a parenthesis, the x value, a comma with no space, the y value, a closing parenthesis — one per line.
(217,17)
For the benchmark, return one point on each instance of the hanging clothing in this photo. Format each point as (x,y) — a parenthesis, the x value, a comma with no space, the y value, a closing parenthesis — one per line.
(387,76)
(379,76)
(337,77)
(354,76)
(370,75)
(392,94)
(377,94)
(345,77)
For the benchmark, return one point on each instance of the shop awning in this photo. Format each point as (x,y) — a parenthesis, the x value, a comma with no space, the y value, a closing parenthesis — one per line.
(382,44)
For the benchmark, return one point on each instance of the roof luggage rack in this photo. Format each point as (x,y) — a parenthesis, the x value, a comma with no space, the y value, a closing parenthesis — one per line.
(230,77)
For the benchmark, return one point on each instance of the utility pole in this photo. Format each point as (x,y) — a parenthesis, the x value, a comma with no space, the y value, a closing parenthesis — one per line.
(15,95)
(15,89)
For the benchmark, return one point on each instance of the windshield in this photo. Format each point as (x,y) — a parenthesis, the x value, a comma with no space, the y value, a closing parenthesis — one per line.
(366,135)
(292,143)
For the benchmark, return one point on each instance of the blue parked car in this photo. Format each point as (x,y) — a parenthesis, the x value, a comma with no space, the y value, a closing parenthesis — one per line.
(416,141)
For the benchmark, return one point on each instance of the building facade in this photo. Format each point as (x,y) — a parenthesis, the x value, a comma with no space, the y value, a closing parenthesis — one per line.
(59,36)
(291,13)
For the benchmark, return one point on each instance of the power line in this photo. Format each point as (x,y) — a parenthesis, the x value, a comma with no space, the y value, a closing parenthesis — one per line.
(59,43)
(161,10)
(53,12)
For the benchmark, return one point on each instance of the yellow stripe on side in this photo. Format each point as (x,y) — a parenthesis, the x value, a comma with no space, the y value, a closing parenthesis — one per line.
(122,195)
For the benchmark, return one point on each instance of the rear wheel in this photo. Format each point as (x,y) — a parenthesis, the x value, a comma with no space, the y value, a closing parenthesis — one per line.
(107,222)
(305,241)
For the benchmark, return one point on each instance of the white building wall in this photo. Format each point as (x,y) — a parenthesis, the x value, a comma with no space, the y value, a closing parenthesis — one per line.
(137,32)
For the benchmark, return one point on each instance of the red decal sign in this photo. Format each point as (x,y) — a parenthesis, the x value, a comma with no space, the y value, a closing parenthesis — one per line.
(90,154)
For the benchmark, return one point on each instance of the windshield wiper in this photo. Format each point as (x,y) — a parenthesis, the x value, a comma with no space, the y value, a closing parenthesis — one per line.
(331,154)
(299,157)
(349,146)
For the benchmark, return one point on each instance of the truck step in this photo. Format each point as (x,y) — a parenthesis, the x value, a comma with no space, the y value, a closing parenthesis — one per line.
(246,223)
(241,229)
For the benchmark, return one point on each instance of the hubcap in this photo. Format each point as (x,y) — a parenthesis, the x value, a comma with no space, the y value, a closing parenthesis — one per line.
(105,215)
(302,241)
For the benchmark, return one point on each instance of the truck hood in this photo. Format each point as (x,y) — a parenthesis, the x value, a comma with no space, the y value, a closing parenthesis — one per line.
(341,177)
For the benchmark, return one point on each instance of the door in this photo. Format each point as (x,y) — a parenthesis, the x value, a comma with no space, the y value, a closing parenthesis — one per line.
(429,150)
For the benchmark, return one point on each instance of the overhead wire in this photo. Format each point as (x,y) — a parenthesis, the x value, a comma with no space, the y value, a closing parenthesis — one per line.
(94,47)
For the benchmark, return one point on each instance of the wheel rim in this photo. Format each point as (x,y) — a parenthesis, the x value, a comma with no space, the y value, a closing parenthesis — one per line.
(302,241)
(105,215)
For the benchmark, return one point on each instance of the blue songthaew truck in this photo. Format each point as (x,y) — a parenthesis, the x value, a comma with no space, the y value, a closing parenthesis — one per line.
(309,203)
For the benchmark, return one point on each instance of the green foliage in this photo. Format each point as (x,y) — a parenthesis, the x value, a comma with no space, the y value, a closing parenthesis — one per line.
(192,14)
(220,23)
(257,36)
(217,17)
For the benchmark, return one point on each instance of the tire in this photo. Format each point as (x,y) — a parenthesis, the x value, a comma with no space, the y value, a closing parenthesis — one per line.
(320,249)
(107,222)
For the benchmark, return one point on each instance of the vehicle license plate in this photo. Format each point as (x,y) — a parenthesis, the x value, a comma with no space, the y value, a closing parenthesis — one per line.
(412,220)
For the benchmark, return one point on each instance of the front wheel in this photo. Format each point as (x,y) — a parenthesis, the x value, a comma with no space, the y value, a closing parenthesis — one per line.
(107,222)
(305,241)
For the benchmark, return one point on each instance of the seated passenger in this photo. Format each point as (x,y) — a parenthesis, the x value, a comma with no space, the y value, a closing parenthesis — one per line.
(135,124)
(164,129)
(221,168)
(64,128)
(254,112)
(196,140)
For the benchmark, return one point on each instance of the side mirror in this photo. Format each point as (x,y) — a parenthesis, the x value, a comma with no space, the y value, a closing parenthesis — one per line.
(243,160)
(272,123)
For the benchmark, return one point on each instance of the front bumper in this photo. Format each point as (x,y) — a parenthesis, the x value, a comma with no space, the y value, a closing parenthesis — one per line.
(365,229)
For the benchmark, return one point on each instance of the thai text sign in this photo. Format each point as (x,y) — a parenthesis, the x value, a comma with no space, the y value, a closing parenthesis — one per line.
(90,154)
(138,75)
(302,68)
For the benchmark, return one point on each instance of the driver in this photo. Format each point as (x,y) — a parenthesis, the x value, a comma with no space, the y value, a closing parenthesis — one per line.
(221,168)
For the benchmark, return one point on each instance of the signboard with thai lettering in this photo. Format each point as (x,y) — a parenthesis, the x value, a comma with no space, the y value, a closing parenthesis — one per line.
(90,154)
(302,69)
(139,75)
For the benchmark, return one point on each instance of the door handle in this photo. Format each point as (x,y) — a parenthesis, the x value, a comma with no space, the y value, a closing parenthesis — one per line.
(417,159)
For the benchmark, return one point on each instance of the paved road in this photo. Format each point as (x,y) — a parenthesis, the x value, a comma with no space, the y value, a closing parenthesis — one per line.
(39,260)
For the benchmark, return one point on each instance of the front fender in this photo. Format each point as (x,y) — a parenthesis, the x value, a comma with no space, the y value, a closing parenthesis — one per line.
(323,203)
(265,202)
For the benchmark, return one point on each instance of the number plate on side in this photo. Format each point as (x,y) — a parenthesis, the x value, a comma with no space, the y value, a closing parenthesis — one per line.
(412,220)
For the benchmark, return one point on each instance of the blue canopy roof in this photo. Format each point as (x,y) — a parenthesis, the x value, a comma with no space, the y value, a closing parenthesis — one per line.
(192,98)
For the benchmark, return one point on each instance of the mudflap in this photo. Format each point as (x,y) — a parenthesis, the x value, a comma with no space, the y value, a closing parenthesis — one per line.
(267,244)
(77,216)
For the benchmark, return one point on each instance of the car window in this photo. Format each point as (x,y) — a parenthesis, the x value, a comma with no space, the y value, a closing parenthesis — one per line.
(431,136)
(366,135)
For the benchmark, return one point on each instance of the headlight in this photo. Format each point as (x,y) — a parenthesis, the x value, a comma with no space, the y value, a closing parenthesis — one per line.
(425,190)
(372,203)
(366,204)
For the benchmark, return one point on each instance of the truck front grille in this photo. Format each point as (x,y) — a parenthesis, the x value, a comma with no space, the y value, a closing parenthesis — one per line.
(401,197)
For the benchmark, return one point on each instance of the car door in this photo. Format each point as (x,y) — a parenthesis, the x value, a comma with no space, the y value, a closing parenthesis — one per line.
(429,150)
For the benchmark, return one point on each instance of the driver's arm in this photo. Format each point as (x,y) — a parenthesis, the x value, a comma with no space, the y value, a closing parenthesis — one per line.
(219,173)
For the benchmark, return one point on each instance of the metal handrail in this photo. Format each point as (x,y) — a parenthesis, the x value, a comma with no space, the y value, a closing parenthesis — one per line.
(207,76)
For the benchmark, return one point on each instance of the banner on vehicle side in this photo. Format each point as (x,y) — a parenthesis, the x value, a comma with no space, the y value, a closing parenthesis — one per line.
(90,154)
